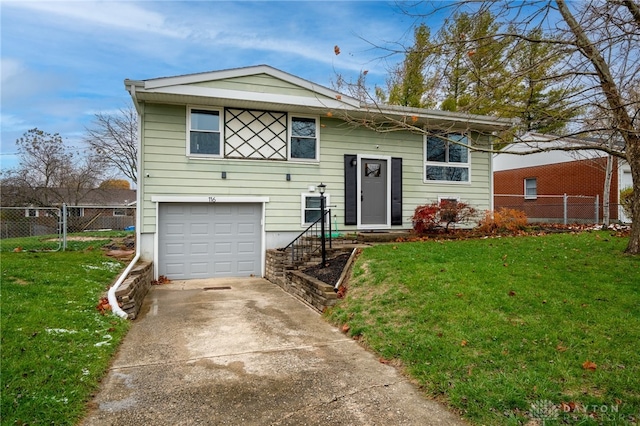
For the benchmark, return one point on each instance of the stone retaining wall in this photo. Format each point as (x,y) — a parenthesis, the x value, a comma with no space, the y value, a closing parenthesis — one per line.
(132,291)
(316,293)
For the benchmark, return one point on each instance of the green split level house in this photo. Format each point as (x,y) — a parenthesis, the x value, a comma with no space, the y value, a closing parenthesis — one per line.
(230,162)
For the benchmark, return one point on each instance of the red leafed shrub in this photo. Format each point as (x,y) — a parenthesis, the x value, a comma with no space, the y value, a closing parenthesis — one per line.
(425,218)
(503,220)
(434,216)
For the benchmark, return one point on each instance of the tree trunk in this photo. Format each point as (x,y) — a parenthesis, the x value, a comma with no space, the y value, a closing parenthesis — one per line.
(634,239)
(606,192)
(619,114)
(633,157)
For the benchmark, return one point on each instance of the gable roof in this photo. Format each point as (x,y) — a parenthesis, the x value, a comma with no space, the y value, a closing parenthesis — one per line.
(208,88)
(189,89)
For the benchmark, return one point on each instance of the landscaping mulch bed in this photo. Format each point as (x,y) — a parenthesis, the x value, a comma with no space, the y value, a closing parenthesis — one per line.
(329,272)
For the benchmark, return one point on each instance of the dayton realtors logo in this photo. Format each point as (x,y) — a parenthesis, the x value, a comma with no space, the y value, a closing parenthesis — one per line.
(546,411)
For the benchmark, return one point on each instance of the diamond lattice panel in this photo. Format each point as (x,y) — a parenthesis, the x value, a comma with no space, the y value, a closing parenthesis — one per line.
(255,134)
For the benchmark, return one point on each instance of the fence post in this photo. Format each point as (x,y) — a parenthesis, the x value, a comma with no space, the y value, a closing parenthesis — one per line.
(597,208)
(565,208)
(64,226)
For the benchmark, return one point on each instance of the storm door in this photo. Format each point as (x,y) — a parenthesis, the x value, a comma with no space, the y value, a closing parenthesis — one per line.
(374,192)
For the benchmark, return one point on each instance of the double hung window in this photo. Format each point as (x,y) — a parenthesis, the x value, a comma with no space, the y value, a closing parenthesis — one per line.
(304,138)
(447,158)
(204,132)
(311,208)
(531,188)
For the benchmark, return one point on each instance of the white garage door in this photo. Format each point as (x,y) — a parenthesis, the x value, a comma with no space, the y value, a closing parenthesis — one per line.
(203,240)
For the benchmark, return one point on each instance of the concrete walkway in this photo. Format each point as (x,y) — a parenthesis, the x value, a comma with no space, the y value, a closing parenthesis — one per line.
(244,352)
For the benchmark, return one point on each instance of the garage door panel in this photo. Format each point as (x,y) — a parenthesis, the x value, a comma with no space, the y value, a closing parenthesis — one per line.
(221,249)
(199,229)
(246,267)
(174,229)
(223,229)
(247,228)
(199,210)
(173,269)
(199,269)
(224,210)
(175,209)
(222,268)
(246,248)
(209,240)
(199,248)
(174,248)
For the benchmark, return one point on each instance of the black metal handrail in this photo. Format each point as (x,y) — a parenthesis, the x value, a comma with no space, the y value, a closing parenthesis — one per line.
(310,240)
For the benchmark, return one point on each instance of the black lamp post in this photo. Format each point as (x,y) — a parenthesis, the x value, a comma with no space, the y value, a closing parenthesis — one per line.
(321,188)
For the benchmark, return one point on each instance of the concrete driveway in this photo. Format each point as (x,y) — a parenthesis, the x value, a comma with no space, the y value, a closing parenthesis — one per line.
(244,352)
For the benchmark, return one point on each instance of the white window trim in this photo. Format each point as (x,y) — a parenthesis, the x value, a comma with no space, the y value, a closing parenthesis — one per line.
(426,163)
(28,210)
(526,196)
(441,198)
(220,112)
(124,212)
(290,135)
(303,197)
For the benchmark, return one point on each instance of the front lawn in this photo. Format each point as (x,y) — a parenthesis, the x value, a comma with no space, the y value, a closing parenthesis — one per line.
(507,330)
(56,346)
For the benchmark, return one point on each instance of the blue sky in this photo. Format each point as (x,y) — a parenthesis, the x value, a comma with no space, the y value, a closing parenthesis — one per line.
(64,61)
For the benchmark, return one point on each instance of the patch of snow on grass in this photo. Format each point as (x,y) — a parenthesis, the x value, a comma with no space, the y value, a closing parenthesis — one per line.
(59,331)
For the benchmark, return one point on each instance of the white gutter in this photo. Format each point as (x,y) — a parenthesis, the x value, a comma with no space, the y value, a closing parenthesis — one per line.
(111,294)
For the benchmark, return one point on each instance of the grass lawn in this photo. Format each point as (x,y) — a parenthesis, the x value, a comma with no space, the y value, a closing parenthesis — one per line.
(492,326)
(77,241)
(56,346)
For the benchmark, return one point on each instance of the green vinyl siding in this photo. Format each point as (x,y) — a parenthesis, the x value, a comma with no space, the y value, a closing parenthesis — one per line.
(260,83)
(171,173)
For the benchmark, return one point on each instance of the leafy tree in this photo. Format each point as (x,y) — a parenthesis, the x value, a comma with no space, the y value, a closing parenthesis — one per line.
(469,67)
(113,140)
(538,96)
(407,85)
(474,57)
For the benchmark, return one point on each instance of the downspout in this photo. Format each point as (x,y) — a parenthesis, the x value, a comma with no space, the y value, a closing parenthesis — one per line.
(111,294)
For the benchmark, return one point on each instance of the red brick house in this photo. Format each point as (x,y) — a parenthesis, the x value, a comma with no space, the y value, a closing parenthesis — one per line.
(537,183)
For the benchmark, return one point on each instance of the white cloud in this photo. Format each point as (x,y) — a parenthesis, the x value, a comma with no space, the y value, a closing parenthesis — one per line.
(11,123)
(122,15)
(10,69)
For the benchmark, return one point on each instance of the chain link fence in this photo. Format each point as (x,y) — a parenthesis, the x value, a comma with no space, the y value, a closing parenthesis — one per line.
(50,228)
(558,208)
